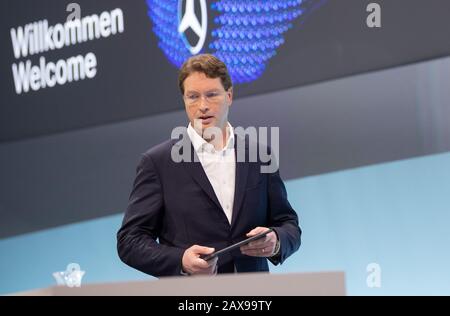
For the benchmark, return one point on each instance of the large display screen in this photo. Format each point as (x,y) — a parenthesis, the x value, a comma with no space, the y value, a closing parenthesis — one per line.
(72,65)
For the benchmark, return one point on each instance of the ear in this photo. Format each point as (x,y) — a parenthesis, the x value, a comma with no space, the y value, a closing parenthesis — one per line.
(230,96)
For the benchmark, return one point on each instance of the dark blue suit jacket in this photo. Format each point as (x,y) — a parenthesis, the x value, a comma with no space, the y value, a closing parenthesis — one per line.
(173,206)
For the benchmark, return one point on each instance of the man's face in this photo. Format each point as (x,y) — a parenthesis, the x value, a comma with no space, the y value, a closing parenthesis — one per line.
(206,101)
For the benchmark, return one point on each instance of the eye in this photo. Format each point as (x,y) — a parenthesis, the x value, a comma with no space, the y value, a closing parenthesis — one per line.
(212,95)
(192,97)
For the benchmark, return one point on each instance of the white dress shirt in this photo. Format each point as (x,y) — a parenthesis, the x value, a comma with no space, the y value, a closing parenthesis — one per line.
(219,166)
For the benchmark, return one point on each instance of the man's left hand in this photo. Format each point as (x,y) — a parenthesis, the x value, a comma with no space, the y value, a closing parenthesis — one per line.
(263,247)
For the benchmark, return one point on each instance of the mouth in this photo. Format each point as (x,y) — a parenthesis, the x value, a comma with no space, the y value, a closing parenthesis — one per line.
(206,119)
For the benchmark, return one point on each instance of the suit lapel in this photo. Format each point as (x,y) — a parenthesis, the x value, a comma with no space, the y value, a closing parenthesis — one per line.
(240,181)
(195,170)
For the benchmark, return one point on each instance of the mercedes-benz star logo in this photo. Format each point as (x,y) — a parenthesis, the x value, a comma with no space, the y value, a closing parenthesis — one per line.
(245,34)
(190,20)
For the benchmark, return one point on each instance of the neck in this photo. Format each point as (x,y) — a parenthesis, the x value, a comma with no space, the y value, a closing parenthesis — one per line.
(218,142)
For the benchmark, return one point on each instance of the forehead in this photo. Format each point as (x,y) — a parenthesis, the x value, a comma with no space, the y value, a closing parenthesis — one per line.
(198,81)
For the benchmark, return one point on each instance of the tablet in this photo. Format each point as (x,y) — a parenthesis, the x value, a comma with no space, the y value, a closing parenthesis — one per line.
(236,245)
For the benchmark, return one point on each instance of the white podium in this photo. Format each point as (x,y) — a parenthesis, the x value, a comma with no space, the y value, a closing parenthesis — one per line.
(247,284)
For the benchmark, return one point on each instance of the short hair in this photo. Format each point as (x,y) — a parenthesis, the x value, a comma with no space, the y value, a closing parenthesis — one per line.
(208,64)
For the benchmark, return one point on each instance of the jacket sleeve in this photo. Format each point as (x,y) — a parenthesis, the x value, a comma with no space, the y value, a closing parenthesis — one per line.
(137,243)
(282,218)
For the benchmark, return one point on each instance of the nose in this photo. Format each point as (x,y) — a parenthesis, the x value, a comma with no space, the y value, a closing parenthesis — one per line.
(203,105)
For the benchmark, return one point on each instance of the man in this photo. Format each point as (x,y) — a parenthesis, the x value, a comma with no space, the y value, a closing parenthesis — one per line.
(179,211)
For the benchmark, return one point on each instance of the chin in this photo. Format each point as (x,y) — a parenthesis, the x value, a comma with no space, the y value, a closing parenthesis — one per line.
(207,125)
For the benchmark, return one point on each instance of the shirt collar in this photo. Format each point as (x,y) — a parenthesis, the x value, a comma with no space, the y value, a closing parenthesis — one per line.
(199,143)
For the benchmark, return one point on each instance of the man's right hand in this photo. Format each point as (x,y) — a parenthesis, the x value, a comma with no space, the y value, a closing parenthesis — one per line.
(193,264)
